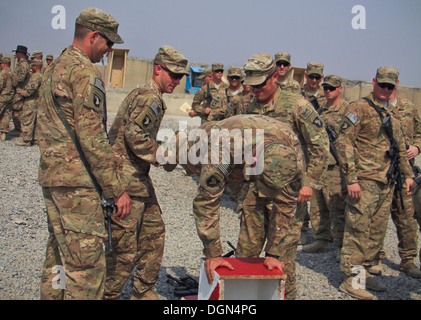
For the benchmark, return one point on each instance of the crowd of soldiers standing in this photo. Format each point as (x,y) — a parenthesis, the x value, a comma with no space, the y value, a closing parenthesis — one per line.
(317,149)
(19,93)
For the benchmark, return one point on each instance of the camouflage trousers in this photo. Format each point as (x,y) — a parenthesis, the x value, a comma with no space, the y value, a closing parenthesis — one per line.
(5,117)
(138,241)
(327,208)
(365,225)
(17,113)
(29,115)
(256,219)
(75,247)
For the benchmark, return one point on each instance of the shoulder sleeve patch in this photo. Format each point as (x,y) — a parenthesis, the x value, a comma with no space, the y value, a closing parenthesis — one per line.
(96,96)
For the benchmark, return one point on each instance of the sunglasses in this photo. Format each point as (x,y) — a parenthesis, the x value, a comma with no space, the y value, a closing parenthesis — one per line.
(235,78)
(176,76)
(282,63)
(219,71)
(258,86)
(314,77)
(329,88)
(389,86)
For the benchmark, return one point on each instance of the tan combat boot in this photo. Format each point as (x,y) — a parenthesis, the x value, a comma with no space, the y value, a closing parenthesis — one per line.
(360,294)
(376,269)
(23,144)
(317,246)
(410,269)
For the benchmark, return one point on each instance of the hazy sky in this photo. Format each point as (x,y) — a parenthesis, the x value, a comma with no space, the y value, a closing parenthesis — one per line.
(230,31)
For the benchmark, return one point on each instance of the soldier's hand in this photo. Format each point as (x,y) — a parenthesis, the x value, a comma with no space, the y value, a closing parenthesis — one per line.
(305,194)
(409,183)
(412,151)
(354,191)
(271,263)
(124,206)
(191,114)
(207,110)
(212,263)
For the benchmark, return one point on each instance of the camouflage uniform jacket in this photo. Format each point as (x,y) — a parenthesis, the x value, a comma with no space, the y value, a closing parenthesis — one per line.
(362,144)
(22,75)
(290,85)
(207,96)
(321,99)
(143,111)
(79,90)
(410,121)
(333,116)
(300,115)
(7,91)
(30,92)
(206,205)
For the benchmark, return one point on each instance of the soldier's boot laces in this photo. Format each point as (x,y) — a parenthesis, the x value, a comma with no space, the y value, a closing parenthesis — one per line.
(410,269)
(317,246)
(357,293)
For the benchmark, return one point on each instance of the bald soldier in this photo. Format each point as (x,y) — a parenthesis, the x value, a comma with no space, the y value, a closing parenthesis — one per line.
(300,116)
(138,241)
(265,156)
(369,141)
(73,95)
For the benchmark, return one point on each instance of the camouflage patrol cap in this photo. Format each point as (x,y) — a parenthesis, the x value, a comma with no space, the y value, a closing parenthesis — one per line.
(332,80)
(37,55)
(205,73)
(315,68)
(172,59)
(283,56)
(258,67)
(281,167)
(49,57)
(97,20)
(235,71)
(387,75)
(5,60)
(217,66)
(36,62)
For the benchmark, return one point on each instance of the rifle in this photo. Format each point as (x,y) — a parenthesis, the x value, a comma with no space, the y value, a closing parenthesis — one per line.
(332,137)
(393,173)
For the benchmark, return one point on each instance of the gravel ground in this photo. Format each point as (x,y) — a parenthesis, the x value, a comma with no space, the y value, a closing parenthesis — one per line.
(23,230)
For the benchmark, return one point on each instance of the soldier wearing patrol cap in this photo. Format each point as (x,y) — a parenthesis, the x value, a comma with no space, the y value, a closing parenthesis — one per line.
(364,151)
(270,187)
(72,99)
(283,67)
(139,239)
(234,92)
(205,76)
(300,115)
(29,99)
(22,74)
(207,102)
(49,58)
(7,92)
(327,205)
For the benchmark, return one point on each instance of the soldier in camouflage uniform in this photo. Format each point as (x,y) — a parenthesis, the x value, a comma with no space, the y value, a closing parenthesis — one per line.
(283,67)
(234,92)
(75,216)
(327,206)
(404,218)
(363,150)
(300,115)
(206,77)
(208,102)
(270,188)
(7,92)
(313,92)
(21,77)
(139,239)
(30,95)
